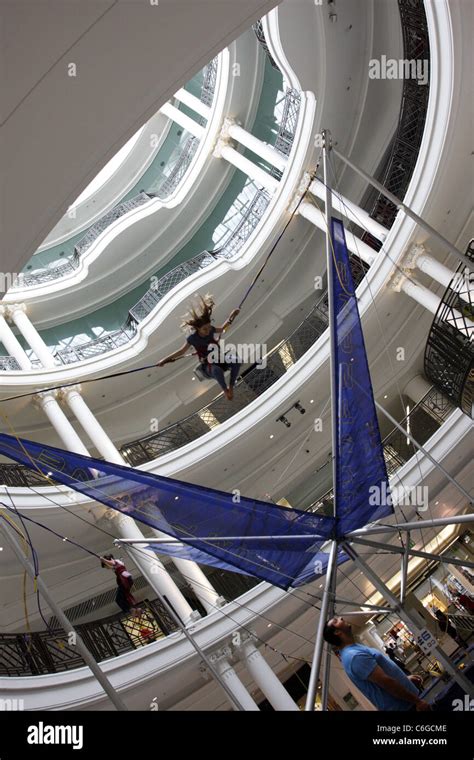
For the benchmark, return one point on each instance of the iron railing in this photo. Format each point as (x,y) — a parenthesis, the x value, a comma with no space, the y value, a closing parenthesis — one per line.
(449,353)
(40,652)
(398,167)
(41,276)
(259,33)
(251,216)
(8,363)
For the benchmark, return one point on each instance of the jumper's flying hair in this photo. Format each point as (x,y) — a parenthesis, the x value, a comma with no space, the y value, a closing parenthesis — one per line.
(199,315)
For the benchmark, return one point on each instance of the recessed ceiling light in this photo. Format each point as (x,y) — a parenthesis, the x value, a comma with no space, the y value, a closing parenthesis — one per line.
(269,625)
(311,401)
(385,396)
(1,548)
(436,503)
(272,436)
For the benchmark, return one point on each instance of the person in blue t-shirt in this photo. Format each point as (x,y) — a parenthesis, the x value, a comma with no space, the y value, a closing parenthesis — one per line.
(374,674)
(205,337)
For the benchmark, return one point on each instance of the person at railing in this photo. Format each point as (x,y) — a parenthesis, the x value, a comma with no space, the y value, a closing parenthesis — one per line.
(204,339)
(124,597)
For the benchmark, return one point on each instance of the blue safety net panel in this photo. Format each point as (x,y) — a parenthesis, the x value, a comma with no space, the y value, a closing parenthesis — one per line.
(283,546)
(361,476)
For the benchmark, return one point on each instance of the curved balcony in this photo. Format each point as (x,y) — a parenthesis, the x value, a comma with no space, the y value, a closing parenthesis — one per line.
(250,215)
(176,171)
(40,652)
(449,354)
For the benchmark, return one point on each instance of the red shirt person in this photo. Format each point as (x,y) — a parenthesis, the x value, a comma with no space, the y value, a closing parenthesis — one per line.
(124,597)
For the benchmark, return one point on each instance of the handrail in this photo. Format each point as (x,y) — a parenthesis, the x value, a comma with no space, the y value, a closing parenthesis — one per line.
(449,353)
(41,652)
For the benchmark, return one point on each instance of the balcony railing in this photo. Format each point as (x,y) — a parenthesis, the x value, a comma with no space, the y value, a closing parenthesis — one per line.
(251,216)
(8,363)
(259,33)
(397,169)
(449,354)
(37,653)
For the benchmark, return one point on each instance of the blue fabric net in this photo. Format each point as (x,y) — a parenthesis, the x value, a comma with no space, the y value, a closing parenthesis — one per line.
(361,496)
(188,512)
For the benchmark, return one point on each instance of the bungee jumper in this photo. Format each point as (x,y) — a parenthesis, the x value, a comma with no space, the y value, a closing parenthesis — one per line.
(204,339)
(124,597)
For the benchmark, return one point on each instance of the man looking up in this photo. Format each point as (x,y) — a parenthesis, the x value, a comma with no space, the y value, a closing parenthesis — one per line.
(374,674)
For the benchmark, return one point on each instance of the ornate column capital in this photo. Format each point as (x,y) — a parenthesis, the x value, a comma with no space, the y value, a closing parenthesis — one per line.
(413,254)
(221,655)
(15,308)
(64,392)
(42,397)
(241,638)
(224,139)
(397,281)
(303,187)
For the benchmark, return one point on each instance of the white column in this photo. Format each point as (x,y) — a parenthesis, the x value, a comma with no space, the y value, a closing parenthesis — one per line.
(265,678)
(350,210)
(354,244)
(199,582)
(193,102)
(91,426)
(17,313)
(220,660)
(47,402)
(190,571)
(11,342)
(442,274)
(260,148)
(430,301)
(259,175)
(183,120)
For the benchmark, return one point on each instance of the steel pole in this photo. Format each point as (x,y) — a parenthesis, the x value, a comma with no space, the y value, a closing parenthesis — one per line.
(234,701)
(413,552)
(319,642)
(404,568)
(415,525)
(327,659)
